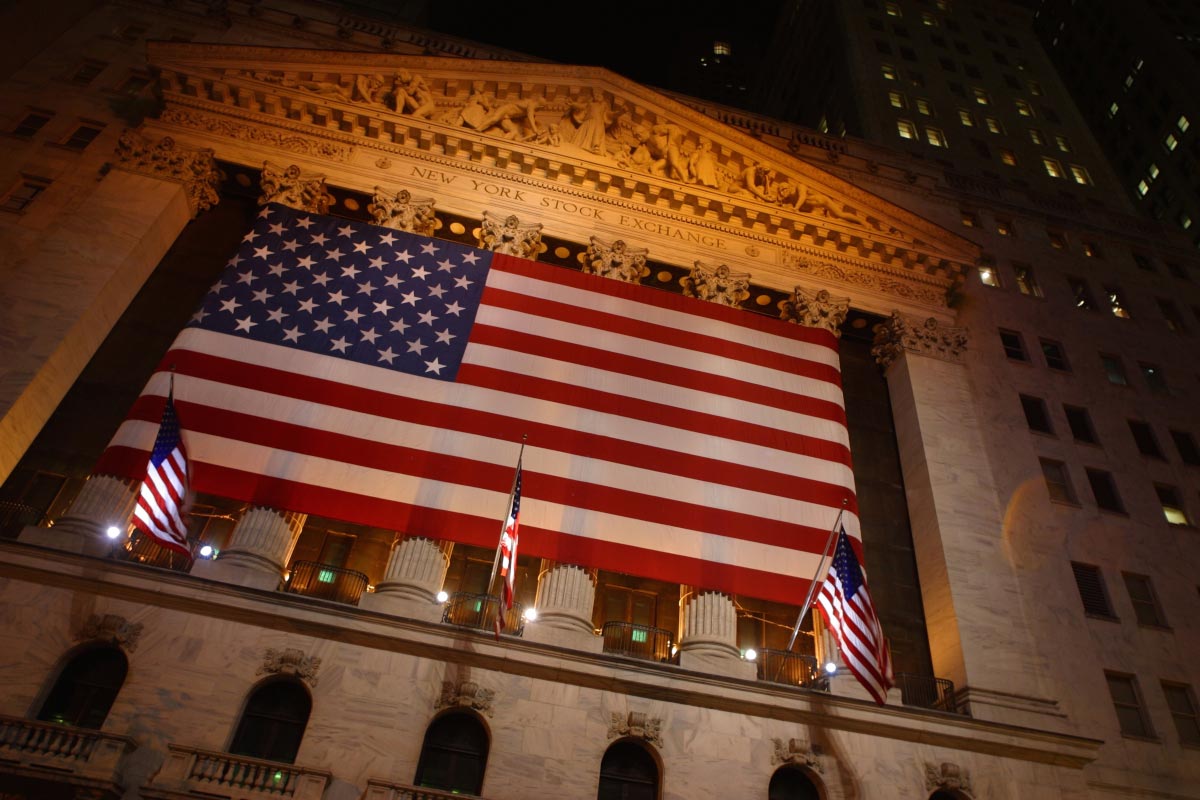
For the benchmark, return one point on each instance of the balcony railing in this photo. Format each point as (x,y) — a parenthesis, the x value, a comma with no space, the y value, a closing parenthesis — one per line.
(478,611)
(637,641)
(221,774)
(385,790)
(328,583)
(142,549)
(794,669)
(15,517)
(63,748)
(924,691)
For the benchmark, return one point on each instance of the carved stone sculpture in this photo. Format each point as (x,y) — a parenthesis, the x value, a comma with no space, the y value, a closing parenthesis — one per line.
(796,752)
(291,187)
(510,236)
(900,333)
(195,169)
(291,661)
(467,694)
(637,725)
(402,212)
(616,260)
(716,284)
(946,776)
(817,309)
(111,628)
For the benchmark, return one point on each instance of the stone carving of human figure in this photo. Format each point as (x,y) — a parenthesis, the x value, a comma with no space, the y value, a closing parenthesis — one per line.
(586,122)
(478,106)
(826,205)
(720,285)
(510,236)
(326,88)
(413,96)
(516,119)
(760,182)
(373,89)
(703,164)
(401,212)
(667,140)
(616,260)
(290,187)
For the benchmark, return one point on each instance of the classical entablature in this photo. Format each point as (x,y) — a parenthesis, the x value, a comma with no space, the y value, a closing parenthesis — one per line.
(580,150)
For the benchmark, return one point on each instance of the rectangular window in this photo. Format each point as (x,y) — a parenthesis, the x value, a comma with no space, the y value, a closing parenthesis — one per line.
(923,107)
(1113,109)
(83,135)
(906,129)
(1116,302)
(1026,281)
(31,123)
(1004,227)
(1008,157)
(1081,294)
(1080,423)
(892,10)
(1171,314)
(1177,270)
(1145,602)
(1014,345)
(1053,168)
(1090,583)
(1024,109)
(1091,249)
(981,97)
(1127,701)
(20,196)
(970,219)
(1055,355)
(1114,370)
(988,276)
(1104,490)
(929,20)
(1170,143)
(87,71)
(965,118)
(993,125)
(1057,482)
(1143,262)
(1036,137)
(1153,375)
(1172,505)
(889,72)
(1057,240)
(1185,445)
(1144,438)
(1183,124)
(1064,144)
(1182,703)
(935,137)
(1035,88)
(1036,416)
(1080,175)
(1142,188)
(896,99)
(135,84)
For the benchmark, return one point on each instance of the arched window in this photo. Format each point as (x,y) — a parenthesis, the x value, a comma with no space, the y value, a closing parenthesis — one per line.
(790,783)
(628,772)
(86,688)
(454,754)
(273,722)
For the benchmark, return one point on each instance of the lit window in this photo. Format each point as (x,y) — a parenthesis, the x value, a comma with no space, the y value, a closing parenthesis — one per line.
(1036,137)
(935,137)
(1053,168)
(981,96)
(896,99)
(1014,345)
(1055,355)
(929,20)
(994,125)
(1185,221)
(906,129)
(988,276)
(1104,490)
(1127,702)
(1008,157)
(1024,109)
(1142,188)
(1063,143)
(1152,171)
(1183,711)
(1153,375)
(1170,142)
(31,123)
(1036,415)
(1057,482)
(1057,240)
(1183,124)
(1172,506)
(1113,109)
(1091,249)
(1003,227)
(1114,370)
(1081,175)
(1026,282)
(1116,302)
(892,9)
(18,198)
(1128,81)
(1035,88)
(923,107)
(722,49)
(889,72)
(969,219)
(965,118)
(1081,293)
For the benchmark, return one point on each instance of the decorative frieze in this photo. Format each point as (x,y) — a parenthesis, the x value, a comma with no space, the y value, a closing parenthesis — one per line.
(403,212)
(637,725)
(111,628)
(196,169)
(797,753)
(292,187)
(947,777)
(870,279)
(716,284)
(815,309)
(617,260)
(509,236)
(292,662)
(466,694)
(275,138)
(900,333)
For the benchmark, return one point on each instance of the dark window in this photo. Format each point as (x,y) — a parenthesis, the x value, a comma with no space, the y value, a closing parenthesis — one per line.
(1081,293)
(23,194)
(86,688)
(1057,482)
(1177,270)
(1114,370)
(1035,414)
(1185,444)
(1127,701)
(790,783)
(87,71)
(628,772)
(1145,602)
(31,123)
(1055,355)
(1090,583)
(454,755)
(1143,436)
(82,136)
(1183,710)
(883,47)
(135,84)
(273,722)
(1014,346)
(1104,490)
(1080,423)
(908,54)
(1153,375)
(1143,262)
(1171,314)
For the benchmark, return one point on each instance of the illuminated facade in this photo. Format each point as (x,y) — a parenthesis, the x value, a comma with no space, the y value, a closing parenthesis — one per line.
(1020,414)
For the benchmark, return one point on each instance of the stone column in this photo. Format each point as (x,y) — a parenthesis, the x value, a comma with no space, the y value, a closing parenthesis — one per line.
(106,242)
(565,597)
(258,550)
(102,502)
(415,573)
(972,599)
(708,640)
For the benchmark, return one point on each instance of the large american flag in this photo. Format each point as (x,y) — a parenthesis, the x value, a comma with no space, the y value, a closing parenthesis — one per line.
(850,615)
(365,374)
(164,488)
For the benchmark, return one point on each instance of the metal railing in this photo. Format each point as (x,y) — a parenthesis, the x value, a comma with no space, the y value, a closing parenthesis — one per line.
(144,550)
(637,641)
(478,611)
(795,669)
(925,691)
(15,517)
(203,771)
(311,579)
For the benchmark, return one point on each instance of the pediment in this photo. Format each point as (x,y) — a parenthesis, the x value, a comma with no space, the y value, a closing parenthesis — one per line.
(580,125)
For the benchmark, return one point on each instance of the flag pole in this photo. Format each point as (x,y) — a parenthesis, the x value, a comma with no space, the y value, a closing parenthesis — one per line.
(504,521)
(812,586)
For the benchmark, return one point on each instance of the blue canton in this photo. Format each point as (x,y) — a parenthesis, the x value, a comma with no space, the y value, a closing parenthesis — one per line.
(350,290)
(845,564)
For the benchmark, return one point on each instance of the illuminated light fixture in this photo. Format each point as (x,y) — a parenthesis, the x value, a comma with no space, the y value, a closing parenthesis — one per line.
(530,614)
(113,532)
(674,649)
(750,655)
(206,551)
(442,597)
(830,667)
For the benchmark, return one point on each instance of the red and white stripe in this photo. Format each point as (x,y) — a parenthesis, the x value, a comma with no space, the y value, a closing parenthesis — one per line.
(667,437)
(160,499)
(855,626)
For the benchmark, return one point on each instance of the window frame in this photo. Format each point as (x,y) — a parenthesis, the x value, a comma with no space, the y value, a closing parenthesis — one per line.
(1022,352)
(1079,419)
(1114,367)
(1093,591)
(1066,494)
(1145,730)
(1187,739)
(1037,414)
(1147,609)
(1104,491)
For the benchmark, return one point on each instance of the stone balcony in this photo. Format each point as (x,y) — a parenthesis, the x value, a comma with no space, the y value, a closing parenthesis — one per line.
(62,753)
(192,773)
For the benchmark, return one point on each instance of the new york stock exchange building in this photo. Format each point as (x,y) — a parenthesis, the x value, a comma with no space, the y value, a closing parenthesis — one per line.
(372,277)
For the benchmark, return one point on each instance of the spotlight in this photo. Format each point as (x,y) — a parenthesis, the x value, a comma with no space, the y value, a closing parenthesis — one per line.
(750,655)
(442,597)
(207,551)
(113,532)
(830,667)
(530,614)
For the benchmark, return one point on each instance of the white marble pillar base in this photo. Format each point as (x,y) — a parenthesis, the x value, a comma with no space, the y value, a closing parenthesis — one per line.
(709,641)
(258,551)
(103,502)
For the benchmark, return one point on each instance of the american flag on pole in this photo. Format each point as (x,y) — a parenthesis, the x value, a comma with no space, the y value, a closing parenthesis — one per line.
(369,375)
(508,552)
(850,615)
(164,487)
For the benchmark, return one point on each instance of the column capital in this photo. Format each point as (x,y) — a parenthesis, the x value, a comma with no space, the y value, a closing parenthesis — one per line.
(902,333)
(166,159)
(815,309)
